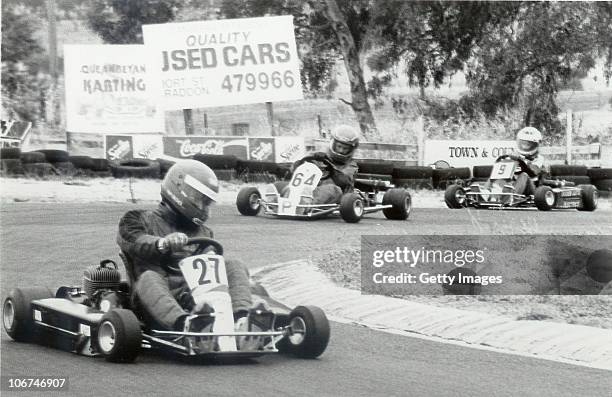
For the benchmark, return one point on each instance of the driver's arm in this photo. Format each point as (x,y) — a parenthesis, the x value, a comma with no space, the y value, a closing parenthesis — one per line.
(344,177)
(531,168)
(134,239)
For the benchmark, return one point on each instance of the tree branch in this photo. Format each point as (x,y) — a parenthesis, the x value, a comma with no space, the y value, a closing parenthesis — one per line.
(345,101)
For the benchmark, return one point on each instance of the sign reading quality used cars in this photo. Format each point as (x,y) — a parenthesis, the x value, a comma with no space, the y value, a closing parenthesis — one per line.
(224,62)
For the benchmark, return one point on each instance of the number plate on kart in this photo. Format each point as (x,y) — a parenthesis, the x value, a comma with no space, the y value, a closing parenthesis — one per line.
(286,206)
(503,170)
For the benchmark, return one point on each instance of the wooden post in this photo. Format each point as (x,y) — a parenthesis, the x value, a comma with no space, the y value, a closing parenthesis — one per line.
(568,137)
(420,141)
(270,117)
(188,117)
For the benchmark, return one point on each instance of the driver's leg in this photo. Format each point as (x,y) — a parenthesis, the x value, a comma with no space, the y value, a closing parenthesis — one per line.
(327,194)
(239,286)
(521,184)
(154,295)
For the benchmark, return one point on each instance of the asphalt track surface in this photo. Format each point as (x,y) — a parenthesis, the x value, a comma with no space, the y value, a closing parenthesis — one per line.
(54,243)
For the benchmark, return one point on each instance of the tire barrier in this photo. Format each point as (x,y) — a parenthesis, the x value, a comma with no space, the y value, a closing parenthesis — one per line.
(55,156)
(412,172)
(11,167)
(226,175)
(100,165)
(65,168)
(375,168)
(82,162)
(12,153)
(33,157)
(164,166)
(373,177)
(576,179)
(252,166)
(573,170)
(441,177)
(218,161)
(39,170)
(413,183)
(137,168)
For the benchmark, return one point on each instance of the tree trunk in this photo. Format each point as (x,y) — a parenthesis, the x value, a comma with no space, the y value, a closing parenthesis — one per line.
(359,97)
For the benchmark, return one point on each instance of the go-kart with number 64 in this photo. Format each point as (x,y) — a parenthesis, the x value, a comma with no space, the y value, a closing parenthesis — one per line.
(295,199)
(103,317)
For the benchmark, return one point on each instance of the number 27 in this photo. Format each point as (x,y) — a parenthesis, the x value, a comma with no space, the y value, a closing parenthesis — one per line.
(201,264)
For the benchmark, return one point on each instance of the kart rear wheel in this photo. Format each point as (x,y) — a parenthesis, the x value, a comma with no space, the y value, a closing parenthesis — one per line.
(351,207)
(401,204)
(590,196)
(247,201)
(454,197)
(309,332)
(17,315)
(119,336)
(544,198)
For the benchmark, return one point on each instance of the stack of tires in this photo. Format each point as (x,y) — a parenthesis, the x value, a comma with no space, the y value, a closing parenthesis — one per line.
(90,166)
(135,168)
(579,174)
(444,177)
(413,177)
(261,171)
(10,162)
(223,165)
(602,179)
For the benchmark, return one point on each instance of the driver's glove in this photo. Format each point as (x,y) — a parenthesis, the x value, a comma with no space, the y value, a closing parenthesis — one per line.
(516,157)
(319,156)
(172,242)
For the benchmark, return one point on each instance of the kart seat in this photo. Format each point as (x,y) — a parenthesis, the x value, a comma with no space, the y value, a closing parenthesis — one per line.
(129,268)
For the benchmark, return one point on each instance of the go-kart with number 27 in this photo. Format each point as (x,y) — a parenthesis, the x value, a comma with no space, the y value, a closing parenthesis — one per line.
(103,318)
(298,201)
(499,192)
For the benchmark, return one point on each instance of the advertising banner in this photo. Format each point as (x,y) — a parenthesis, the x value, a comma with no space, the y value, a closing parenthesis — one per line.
(223,62)
(107,90)
(289,149)
(261,149)
(118,147)
(466,153)
(181,147)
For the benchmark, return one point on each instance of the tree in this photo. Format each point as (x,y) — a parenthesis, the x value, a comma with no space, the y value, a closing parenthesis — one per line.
(325,32)
(526,59)
(120,21)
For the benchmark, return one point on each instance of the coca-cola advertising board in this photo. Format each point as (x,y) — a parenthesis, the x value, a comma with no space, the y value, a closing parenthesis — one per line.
(181,147)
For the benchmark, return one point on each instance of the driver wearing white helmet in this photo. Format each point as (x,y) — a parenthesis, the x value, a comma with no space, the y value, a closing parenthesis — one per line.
(149,239)
(531,165)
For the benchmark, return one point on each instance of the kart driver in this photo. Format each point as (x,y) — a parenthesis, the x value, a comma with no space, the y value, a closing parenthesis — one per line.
(341,168)
(530,165)
(150,238)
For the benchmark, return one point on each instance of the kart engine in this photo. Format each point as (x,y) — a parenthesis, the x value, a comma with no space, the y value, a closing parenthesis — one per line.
(101,277)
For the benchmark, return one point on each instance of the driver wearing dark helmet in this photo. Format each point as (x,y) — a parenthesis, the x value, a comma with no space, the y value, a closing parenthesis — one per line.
(338,165)
(150,238)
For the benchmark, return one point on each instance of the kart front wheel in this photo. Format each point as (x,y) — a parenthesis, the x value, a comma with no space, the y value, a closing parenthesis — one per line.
(401,203)
(544,198)
(454,197)
(308,332)
(351,207)
(590,196)
(17,316)
(248,201)
(119,336)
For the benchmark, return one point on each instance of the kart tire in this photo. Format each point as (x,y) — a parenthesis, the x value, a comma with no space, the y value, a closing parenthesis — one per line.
(375,168)
(10,153)
(313,336)
(351,207)
(119,336)
(82,162)
(402,204)
(598,174)
(573,170)
(544,198)
(280,186)
(246,201)
(373,177)
(55,156)
(38,170)
(451,199)
(577,180)
(590,196)
(33,157)
(136,168)
(100,164)
(412,172)
(417,183)
(217,161)
(482,171)
(599,265)
(11,167)
(17,312)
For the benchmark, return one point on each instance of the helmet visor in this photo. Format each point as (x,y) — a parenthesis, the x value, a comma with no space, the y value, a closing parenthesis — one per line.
(198,194)
(527,146)
(341,147)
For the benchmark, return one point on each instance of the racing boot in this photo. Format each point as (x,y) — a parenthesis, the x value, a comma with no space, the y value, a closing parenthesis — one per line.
(507,199)
(259,319)
(201,321)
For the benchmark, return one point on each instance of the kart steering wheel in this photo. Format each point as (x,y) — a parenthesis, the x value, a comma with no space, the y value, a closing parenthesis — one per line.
(502,157)
(310,159)
(203,244)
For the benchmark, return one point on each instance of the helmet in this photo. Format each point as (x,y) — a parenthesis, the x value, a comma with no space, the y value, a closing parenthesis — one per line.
(527,141)
(344,141)
(189,187)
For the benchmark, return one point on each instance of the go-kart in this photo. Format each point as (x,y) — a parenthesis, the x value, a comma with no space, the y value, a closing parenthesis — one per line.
(294,199)
(103,318)
(498,192)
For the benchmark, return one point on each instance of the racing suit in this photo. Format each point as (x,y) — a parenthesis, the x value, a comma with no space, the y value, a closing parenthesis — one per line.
(160,290)
(334,182)
(527,174)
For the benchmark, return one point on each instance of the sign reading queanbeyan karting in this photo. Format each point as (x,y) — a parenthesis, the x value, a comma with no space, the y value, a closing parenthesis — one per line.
(224,62)
(107,90)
